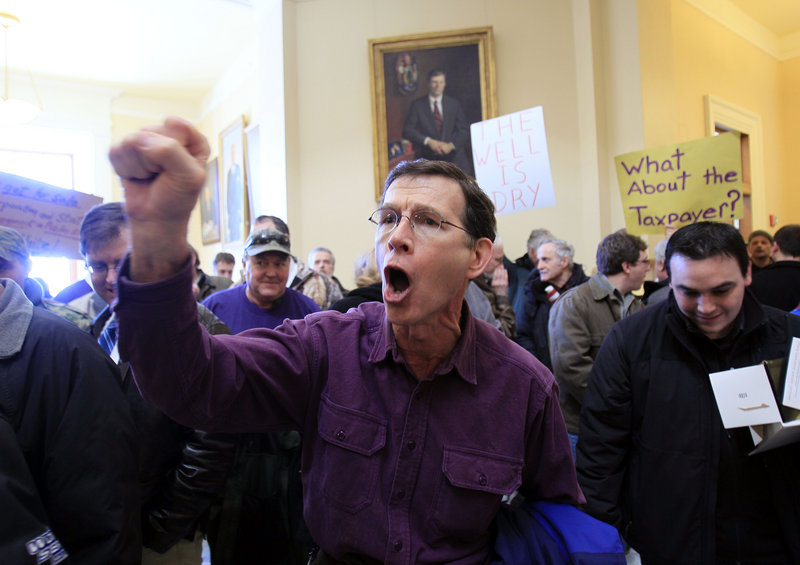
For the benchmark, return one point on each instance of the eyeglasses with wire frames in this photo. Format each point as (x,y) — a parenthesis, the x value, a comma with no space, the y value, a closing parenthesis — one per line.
(423,222)
(100,269)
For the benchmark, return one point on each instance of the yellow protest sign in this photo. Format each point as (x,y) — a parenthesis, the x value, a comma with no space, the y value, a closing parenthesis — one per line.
(681,184)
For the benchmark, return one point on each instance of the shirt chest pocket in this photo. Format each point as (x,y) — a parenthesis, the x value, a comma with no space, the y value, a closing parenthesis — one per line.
(352,441)
(471,488)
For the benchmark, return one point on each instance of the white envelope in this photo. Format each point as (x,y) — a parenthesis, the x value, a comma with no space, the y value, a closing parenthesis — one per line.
(744,397)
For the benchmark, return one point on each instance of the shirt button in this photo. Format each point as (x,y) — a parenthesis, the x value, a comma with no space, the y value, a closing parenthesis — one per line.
(482,480)
(401,495)
(412,445)
(398,545)
(340,435)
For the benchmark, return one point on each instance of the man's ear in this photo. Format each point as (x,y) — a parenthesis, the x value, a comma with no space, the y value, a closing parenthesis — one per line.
(482,253)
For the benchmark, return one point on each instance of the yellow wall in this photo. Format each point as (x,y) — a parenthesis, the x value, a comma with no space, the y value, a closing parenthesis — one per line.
(788,203)
(686,55)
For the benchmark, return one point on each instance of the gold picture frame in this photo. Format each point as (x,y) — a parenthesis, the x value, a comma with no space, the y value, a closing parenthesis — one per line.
(400,68)
(233,182)
(209,205)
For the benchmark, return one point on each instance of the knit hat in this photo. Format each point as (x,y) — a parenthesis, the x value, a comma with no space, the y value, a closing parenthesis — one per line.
(12,245)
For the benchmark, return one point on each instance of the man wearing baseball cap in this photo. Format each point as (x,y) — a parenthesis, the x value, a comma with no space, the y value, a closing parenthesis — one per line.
(269,525)
(263,301)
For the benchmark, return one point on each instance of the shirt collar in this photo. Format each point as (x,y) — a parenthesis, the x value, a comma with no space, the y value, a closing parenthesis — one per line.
(604,287)
(462,359)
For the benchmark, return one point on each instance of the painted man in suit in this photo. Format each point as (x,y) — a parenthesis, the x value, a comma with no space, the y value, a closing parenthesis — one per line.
(437,127)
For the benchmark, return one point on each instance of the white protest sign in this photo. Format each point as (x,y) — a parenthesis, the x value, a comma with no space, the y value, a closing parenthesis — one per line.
(511,161)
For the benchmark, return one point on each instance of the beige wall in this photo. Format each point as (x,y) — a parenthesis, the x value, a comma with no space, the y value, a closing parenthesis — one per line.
(544,56)
(577,59)
(607,86)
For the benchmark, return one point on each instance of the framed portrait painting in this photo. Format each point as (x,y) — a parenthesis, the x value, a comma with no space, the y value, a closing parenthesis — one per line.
(209,205)
(233,182)
(253,170)
(426,91)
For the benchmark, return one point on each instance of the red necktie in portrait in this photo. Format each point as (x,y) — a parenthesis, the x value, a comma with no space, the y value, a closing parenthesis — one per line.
(437,118)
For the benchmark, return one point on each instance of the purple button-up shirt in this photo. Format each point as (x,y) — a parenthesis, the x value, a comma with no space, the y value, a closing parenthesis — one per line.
(395,469)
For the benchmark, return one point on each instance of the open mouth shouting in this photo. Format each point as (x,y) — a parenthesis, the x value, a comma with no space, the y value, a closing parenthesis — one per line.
(397,284)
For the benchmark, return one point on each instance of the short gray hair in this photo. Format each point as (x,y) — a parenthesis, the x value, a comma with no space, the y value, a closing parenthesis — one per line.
(310,259)
(561,248)
(660,251)
(536,237)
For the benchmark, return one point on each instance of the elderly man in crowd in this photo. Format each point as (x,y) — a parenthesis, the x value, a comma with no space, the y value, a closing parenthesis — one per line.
(556,273)
(316,285)
(322,260)
(269,519)
(417,418)
(263,301)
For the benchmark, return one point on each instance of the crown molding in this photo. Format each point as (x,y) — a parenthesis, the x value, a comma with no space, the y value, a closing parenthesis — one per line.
(730,16)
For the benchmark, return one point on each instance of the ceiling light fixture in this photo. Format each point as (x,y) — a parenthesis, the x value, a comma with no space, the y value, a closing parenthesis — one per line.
(15,110)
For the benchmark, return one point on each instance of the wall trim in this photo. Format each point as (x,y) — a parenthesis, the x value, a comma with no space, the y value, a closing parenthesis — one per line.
(730,16)
(727,115)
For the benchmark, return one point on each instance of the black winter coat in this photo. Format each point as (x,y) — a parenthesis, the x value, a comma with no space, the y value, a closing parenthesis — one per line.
(181,471)
(651,434)
(67,449)
(532,325)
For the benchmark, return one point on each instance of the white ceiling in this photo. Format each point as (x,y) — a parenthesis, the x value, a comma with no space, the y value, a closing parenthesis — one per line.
(177,49)
(169,49)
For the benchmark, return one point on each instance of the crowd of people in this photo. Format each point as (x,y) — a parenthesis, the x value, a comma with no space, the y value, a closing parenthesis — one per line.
(453,394)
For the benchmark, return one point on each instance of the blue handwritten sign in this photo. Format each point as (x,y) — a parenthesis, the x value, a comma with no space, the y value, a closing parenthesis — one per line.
(49,217)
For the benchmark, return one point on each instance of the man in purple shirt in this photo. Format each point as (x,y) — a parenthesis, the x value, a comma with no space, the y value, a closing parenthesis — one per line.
(268,522)
(416,417)
(263,301)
